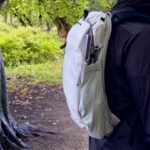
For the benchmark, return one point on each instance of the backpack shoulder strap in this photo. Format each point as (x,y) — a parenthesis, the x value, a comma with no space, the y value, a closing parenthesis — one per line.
(129,16)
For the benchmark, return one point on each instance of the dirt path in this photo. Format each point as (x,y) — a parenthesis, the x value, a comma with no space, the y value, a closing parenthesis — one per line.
(45,106)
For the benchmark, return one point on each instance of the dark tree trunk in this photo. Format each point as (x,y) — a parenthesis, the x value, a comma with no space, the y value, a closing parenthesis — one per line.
(8,132)
(20,20)
(40,15)
(40,19)
(62,26)
(11,133)
(24,20)
(48,26)
(28,20)
(63,29)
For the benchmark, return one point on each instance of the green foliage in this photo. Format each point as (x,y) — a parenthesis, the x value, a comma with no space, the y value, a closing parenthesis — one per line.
(49,12)
(104,5)
(71,10)
(49,72)
(30,11)
(28,45)
(31,47)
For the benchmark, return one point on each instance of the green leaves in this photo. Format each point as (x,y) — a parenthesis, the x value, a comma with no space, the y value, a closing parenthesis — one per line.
(49,10)
(104,5)
(28,45)
(22,45)
(38,12)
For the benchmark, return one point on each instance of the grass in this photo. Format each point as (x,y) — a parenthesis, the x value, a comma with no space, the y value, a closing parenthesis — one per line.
(49,72)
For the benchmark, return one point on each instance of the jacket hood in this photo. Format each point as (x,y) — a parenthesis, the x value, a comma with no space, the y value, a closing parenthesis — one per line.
(141,6)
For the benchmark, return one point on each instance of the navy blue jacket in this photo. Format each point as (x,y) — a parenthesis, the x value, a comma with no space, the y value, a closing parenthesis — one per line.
(128,86)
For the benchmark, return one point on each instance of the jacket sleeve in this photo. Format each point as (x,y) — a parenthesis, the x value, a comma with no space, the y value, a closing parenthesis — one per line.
(137,67)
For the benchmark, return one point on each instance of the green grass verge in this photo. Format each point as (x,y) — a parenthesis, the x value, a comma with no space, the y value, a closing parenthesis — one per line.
(49,72)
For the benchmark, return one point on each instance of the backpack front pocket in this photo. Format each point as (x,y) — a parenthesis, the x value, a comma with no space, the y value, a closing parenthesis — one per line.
(93,107)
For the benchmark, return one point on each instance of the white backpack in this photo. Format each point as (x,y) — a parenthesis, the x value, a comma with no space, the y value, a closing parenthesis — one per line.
(83,74)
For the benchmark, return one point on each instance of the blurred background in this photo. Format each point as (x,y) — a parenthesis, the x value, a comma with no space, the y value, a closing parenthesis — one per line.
(32,32)
(32,35)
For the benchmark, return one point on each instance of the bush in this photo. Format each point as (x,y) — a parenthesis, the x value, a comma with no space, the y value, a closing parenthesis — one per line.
(28,45)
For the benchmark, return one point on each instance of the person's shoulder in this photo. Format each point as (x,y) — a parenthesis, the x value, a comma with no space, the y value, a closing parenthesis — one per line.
(136,28)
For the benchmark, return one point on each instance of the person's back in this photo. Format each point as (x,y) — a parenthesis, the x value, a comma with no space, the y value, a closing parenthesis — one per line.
(128,82)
